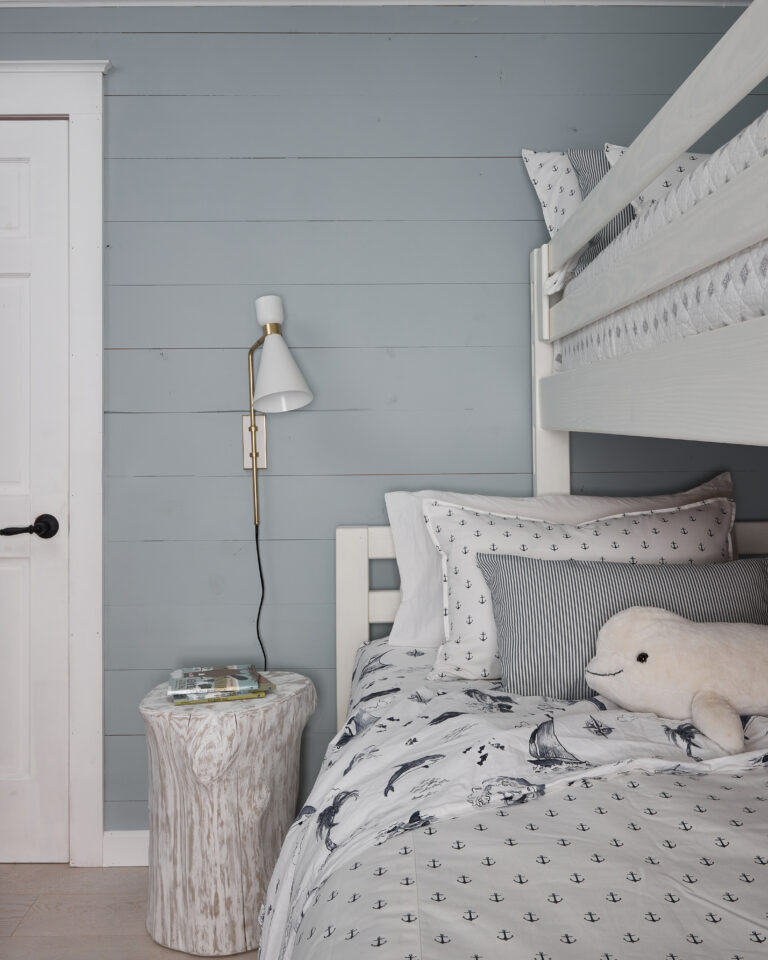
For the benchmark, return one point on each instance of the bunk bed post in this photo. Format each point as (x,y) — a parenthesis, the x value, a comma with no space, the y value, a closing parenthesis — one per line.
(352,623)
(551,448)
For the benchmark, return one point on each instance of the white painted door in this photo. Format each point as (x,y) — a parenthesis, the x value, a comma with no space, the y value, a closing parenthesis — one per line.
(34,444)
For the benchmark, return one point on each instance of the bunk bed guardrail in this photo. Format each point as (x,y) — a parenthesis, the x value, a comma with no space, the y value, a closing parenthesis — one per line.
(731,70)
(709,387)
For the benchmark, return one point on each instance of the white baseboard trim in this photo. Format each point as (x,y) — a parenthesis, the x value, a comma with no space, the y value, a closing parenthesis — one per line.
(126,848)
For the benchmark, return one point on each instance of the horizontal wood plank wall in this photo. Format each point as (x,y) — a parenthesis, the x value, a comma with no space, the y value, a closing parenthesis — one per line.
(365,163)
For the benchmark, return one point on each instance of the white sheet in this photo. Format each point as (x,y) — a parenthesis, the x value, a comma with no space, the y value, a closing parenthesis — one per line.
(452,820)
(729,292)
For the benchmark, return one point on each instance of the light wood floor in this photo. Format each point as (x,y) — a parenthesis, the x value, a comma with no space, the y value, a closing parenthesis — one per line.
(49,911)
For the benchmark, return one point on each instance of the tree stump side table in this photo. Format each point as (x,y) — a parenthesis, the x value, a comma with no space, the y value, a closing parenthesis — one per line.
(223,784)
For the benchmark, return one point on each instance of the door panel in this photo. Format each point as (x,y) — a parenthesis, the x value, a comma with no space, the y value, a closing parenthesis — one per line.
(34,443)
(14,707)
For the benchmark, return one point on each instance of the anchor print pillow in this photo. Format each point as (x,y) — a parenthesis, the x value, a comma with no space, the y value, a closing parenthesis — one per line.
(667,180)
(419,618)
(549,613)
(562,181)
(693,534)
(556,184)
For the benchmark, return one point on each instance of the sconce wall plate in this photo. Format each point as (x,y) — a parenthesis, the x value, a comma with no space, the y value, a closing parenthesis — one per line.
(261,441)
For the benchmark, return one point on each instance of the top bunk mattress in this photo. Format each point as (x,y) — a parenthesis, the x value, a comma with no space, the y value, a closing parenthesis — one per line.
(729,292)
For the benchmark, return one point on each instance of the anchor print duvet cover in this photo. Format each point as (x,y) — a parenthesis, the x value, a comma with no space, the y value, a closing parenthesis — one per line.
(452,821)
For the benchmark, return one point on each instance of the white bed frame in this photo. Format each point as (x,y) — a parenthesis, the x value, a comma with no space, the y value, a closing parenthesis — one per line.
(709,387)
(357,606)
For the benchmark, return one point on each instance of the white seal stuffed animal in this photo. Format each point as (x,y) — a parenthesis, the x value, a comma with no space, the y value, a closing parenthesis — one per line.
(651,660)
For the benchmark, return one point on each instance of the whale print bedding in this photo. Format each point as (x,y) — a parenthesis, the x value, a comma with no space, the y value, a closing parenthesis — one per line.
(452,820)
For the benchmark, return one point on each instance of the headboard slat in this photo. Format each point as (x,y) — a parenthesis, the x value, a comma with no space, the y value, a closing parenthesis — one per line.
(382,605)
(381,546)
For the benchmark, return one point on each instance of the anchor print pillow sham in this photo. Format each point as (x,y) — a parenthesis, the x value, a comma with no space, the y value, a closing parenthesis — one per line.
(419,618)
(693,534)
(556,183)
(549,613)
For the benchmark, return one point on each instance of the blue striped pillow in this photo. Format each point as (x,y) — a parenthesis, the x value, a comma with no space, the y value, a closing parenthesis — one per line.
(548,612)
(590,167)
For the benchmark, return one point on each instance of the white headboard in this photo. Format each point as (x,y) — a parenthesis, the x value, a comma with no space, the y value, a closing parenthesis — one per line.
(357,606)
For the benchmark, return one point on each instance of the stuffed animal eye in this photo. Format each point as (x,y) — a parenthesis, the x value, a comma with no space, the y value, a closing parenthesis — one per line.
(642,657)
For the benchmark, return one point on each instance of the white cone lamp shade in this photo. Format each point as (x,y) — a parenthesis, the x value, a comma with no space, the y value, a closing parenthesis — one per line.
(279,385)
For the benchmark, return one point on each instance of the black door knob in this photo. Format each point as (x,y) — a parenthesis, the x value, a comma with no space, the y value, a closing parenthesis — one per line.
(45,526)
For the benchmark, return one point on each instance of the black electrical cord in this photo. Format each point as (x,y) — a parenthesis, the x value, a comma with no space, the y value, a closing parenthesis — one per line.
(261,598)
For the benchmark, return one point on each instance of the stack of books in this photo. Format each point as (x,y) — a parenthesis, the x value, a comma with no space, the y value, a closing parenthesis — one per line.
(195,685)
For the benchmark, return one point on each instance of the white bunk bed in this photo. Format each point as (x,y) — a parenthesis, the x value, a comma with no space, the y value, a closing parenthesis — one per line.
(355,863)
(711,386)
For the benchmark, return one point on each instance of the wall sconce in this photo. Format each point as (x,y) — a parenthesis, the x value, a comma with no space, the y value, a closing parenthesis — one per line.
(279,387)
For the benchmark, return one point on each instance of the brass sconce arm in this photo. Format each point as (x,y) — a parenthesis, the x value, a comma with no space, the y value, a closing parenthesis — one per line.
(268,329)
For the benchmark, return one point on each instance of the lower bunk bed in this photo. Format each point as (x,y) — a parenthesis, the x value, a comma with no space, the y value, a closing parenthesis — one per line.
(453,820)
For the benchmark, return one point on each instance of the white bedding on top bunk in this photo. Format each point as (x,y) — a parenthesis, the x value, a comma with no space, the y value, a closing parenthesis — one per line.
(729,292)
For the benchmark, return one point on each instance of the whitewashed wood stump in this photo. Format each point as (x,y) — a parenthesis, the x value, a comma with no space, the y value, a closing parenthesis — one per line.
(223,785)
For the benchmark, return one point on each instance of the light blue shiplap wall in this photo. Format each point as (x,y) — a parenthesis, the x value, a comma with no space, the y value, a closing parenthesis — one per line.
(365,163)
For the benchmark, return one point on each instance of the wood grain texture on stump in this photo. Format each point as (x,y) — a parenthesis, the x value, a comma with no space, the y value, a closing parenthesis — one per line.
(223,784)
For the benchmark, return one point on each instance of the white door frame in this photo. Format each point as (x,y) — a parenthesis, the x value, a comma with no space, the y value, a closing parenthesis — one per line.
(72,89)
